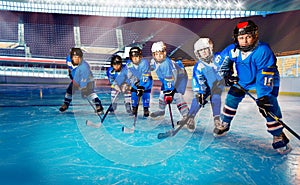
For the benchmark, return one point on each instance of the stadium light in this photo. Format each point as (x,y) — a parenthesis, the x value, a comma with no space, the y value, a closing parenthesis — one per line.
(137,8)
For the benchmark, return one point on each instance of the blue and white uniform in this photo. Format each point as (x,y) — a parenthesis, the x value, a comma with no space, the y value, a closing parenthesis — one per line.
(82,79)
(256,69)
(206,80)
(112,75)
(137,75)
(173,76)
(83,74)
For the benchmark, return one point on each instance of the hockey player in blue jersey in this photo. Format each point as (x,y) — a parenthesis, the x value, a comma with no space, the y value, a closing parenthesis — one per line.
(173,77)
(206,81)
(68,95)
(138,73)
(112,73)
(83,79)
(256,68)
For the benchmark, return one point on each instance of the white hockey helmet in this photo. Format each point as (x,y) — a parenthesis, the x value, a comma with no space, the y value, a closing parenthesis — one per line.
(158,46)
(203,43)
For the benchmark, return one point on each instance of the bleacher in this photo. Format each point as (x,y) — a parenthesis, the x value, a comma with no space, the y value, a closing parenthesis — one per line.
(46,40)
(8,26)
(289,66)
(12,52)
(98,36)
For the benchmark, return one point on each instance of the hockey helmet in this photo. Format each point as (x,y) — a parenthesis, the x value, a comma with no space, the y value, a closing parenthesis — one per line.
(245,27)
(135,52)
(201,44)
(115,60)
(76,52)
(158,46)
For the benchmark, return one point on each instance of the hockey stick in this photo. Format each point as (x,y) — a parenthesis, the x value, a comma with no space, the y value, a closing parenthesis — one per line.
(97,125)
(131,130)
(271,113)
(89,123)
(173,131)
(171,115)
(113,101)
(170,132)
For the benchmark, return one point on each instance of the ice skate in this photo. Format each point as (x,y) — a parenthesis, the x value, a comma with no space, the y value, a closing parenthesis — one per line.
(99,109)
(182,121)
(280,144)
(157,114)
(133,112)
(128,107)
(111,110)
(217,120)
(221,128)
(188,122)
(146,112)
(191,124)
(64,107)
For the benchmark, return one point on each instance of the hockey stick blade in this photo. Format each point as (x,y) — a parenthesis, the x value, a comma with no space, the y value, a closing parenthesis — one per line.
(165,134)
(169,133)
(128,130)
(91,124)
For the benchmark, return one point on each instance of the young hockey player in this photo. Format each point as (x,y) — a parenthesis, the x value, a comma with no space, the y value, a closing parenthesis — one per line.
(83,79)
(206,80)
(112,73)
(68,95)
(138,73)
(174,79)
(256,68)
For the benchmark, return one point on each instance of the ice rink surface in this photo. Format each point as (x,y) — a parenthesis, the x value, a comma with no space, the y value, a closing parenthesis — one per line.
(40,145)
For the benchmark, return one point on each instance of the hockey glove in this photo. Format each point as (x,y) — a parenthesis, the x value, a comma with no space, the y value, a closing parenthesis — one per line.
(169,96)
(264,105)
(140,91)
(137,83)
(230,80)
(201,99)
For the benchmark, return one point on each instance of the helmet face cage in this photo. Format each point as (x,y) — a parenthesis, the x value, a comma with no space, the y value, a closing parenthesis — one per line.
(116,60)
(76,52)
(201,44)
(135,52)
(242,28)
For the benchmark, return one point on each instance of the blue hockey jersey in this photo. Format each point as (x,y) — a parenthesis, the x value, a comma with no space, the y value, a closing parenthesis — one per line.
(83,74)
(112,74)
(206,75)
(136,75)
(172,74)
(256,69)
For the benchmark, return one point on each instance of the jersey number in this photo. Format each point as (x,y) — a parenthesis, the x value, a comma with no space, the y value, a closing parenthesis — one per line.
(268,81)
